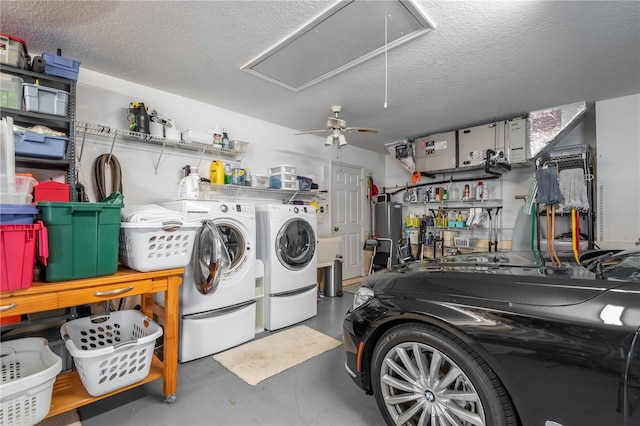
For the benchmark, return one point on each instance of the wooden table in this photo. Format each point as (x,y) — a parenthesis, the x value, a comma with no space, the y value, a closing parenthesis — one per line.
(68,391)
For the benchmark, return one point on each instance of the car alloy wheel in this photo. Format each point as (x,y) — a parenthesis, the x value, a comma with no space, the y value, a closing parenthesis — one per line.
(424,376)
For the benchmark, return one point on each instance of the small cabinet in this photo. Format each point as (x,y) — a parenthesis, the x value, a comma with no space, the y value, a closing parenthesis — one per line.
(53,117)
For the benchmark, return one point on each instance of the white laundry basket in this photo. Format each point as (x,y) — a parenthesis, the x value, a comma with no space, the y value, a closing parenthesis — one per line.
(156,246)
(111,351)
(29,369)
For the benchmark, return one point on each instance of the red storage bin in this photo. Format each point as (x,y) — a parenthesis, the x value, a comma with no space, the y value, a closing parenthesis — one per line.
(51,191)
(17,253)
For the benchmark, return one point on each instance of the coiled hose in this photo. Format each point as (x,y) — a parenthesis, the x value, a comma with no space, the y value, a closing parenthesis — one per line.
(99,173)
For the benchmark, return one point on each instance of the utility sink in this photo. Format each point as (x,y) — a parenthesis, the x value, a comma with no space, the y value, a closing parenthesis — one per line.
(327,250)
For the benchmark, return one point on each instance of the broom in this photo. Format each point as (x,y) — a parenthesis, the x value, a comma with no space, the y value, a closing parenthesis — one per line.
(573,189)
(549,193)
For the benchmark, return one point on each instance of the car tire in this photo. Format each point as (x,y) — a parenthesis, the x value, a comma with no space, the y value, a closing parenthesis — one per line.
(464,390)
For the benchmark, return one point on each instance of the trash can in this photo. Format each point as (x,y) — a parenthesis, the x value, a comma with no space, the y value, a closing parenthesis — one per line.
(333,279)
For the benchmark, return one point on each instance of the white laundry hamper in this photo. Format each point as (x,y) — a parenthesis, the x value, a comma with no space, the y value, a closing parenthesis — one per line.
(152,246)
(111,351)
(29,370)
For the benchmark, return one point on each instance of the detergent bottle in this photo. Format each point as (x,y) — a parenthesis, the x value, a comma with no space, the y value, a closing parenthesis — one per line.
(216,172)
(189,187)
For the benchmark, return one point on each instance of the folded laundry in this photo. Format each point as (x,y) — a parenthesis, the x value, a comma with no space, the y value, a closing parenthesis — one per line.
(150,213)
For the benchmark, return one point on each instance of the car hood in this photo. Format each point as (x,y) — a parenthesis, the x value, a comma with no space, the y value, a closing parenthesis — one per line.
(510,277)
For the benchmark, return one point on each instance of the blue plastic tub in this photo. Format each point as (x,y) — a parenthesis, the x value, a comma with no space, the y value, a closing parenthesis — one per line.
(38,145)
(61,66)
(17,214)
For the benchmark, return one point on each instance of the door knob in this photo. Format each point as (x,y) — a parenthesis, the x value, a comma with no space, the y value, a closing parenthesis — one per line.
(335,228)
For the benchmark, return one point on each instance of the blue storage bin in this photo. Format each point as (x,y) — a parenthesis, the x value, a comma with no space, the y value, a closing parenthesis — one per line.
(17,214)
(38,145)
(304,183)
(61,66)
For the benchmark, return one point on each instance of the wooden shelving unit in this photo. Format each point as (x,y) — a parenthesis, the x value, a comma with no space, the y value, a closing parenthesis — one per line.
(68,391)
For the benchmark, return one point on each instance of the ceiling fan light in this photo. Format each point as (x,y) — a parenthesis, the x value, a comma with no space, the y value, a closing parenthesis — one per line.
(329,141)
(342,141)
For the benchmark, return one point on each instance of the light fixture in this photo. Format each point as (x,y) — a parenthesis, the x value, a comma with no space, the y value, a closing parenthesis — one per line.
(329,141)
(342,140)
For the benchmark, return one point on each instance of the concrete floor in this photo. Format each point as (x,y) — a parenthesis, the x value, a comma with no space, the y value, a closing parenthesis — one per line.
(316,392)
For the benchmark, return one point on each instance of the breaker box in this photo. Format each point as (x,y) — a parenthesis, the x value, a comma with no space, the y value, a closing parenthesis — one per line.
(436,152)
(474,142)
(516,134)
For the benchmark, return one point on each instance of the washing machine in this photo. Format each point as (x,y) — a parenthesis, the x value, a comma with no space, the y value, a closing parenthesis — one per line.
(217,295)
(287,247)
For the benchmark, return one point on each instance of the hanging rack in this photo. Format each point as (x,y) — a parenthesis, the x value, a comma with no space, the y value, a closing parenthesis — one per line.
(574,157)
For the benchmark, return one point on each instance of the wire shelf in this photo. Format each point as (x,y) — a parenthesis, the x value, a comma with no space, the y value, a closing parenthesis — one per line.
(100,130)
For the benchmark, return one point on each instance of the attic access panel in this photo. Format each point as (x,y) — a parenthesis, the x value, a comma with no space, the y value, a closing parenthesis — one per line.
(343,36)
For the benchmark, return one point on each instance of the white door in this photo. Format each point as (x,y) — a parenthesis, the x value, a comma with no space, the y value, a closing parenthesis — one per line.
(346,216)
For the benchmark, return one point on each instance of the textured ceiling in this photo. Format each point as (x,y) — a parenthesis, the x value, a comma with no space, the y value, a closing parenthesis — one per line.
(484,60)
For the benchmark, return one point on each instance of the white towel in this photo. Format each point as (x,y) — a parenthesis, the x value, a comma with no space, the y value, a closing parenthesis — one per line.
(150,213)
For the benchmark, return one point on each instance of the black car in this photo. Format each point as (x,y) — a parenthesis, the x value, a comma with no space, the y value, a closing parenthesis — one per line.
(501,339)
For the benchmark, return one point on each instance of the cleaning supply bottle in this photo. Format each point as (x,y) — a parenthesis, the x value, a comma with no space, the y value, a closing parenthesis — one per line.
(454,192)
(142,118)
(247,177)
(217,137)
(216,172)
(227,174)
(225,139)
(237,174)
(189,187)
(466,194)
(479,191)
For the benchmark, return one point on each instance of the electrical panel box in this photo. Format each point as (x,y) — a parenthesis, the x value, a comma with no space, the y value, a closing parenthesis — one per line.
(516,134)
(474,142)
(436,152)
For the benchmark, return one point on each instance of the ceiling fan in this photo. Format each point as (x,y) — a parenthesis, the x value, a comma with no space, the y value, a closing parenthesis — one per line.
(336,126)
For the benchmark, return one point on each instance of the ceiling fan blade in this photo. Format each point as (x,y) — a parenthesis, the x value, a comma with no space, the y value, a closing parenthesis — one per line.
(312,131)
(361,130)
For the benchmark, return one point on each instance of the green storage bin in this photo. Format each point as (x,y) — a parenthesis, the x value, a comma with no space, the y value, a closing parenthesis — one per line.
(83,239)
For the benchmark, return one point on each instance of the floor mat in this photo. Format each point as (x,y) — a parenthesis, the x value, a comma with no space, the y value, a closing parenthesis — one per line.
(260,359)
(351,288)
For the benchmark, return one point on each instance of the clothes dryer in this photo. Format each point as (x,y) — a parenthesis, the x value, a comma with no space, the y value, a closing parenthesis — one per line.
(226,315)
(287,247)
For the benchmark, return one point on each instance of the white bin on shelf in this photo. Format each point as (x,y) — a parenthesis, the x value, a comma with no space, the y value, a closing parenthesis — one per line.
(111,351)
(29,369)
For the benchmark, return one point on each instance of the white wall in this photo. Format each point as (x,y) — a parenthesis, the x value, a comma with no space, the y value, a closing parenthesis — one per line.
(618,172)
(103,99)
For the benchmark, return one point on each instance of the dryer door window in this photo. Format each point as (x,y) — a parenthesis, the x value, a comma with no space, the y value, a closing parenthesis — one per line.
(211,258)
(296,244)
(236,245)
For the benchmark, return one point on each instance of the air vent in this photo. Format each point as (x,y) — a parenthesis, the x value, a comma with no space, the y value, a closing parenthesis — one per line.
(341,37)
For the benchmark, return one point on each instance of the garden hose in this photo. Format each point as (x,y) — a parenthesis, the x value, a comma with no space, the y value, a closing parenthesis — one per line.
(99,173)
